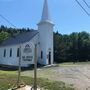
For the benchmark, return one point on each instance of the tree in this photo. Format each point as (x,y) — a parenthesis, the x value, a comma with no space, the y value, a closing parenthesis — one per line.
(4,35)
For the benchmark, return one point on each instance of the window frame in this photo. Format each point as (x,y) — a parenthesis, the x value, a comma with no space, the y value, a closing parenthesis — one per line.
(10,52)
(18,50)
(4,54)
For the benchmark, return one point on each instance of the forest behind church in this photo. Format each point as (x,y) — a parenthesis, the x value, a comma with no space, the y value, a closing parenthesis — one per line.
(67,47)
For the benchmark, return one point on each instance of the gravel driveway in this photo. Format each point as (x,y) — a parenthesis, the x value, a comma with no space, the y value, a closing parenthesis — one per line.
(78,75)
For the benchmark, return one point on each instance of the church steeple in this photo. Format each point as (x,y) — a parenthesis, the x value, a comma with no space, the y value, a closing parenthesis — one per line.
(45,29)
(45,13)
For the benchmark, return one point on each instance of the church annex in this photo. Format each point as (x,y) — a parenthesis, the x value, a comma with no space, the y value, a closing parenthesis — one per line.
(23,45)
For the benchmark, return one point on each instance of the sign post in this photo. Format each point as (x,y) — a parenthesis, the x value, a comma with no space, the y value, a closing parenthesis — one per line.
(19,68)
(35,68)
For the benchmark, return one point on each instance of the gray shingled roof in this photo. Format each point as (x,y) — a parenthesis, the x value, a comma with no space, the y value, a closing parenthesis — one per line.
(21,38)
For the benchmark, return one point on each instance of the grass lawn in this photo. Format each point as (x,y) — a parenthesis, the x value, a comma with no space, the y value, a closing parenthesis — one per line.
(48,77)
(7,80)
(45,77)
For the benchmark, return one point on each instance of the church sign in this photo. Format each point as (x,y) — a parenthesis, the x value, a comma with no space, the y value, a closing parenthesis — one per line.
(27,49)
(28,53)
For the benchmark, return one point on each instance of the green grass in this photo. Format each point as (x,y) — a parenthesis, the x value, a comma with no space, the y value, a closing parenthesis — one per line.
(8,80)
(7,72)
(43,73)
(45,77)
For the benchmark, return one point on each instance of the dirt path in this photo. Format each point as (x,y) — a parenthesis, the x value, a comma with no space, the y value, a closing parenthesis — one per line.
(78,75)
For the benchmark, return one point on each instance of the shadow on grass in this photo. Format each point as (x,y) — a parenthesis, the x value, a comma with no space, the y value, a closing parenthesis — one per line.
(14,68)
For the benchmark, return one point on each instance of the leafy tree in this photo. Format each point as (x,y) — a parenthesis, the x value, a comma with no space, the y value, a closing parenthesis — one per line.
(4,35)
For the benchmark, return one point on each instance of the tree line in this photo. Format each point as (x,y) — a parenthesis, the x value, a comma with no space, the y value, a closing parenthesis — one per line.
(6,32)
(74,47)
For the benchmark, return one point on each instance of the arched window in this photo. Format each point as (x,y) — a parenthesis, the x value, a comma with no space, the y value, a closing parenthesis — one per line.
(17,52)
(4,55)
(10,52)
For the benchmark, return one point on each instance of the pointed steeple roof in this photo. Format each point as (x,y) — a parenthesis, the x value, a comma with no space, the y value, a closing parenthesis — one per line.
(45,13)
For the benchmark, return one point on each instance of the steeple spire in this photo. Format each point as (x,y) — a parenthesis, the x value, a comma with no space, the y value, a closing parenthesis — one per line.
(45,13)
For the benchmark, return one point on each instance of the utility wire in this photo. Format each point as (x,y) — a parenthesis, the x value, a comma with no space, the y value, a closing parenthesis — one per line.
(86,4)
(7,20)
(82,7)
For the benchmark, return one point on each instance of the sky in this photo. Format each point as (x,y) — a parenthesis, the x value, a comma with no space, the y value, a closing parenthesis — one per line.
(67,15)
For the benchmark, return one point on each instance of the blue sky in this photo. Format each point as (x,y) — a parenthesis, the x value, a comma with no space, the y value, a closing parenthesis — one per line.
(66,14)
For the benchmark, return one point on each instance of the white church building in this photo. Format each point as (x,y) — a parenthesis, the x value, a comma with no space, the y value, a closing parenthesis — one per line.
(22,46)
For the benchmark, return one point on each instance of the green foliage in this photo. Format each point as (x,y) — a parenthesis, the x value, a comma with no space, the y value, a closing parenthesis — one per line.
(9,32)
(74,47)
(4,35)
